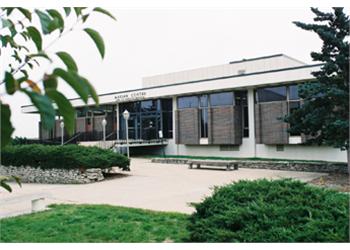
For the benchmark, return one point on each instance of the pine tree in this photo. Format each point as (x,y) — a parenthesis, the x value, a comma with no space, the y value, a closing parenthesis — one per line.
(324,115)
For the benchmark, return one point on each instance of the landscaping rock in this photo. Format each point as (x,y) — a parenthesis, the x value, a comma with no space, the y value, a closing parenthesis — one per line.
(323,167)
(53,176)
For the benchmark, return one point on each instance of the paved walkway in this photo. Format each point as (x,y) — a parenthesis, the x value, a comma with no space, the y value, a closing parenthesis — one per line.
(163,187)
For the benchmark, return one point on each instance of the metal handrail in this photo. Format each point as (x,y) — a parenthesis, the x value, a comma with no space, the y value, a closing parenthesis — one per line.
(72,138)
(109,135)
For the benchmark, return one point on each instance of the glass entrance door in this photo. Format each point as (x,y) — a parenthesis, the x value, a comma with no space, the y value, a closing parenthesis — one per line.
(133,125)
(149,128)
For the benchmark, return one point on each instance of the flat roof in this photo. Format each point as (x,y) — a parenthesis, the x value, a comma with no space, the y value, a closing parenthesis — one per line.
(253,81)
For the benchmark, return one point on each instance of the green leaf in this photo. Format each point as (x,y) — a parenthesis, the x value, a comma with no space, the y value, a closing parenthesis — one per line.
(6,23)
(92,90)
(25,75)
(67,60)
(96,37)
(67,10)
(75,81)
(9,10)
(85,17)
(45,21)
(10,83)
(17,180)
(54,24)
(26,13)
(6,126)
(6,186)
(41,54)
(44,106)
(35,36)
(55,14)
(50,82)
(78,10)
(103,11)
(65,108)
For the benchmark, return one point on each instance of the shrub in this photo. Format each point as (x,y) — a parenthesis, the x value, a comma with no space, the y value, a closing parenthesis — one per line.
(271,211)
(68,156)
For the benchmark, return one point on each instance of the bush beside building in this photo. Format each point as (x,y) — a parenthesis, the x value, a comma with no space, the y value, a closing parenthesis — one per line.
(59,164)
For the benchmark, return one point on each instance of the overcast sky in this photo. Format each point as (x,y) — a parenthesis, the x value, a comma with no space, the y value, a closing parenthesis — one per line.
(147,42)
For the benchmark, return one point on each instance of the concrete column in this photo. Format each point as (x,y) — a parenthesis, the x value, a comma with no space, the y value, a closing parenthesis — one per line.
(174,123)
(118,122)
(251,119)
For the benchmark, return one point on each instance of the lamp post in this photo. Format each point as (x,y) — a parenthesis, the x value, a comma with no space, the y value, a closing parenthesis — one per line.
(126,116)
(160,133)
(62,127)
(104,123)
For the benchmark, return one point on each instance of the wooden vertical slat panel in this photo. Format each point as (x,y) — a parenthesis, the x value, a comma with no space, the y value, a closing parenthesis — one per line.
(272,129)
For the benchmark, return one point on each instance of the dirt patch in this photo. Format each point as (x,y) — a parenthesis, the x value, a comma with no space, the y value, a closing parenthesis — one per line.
(337,181)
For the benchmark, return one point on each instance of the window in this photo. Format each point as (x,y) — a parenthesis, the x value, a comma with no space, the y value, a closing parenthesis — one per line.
(241,100)
(187,102)
(82,112)
(293,92)
(149,105)
(245,122)
(167,104)
(167,124)
(221,99)
(203,100)
(272,94)
(132,107)
(293,105)
(204,122)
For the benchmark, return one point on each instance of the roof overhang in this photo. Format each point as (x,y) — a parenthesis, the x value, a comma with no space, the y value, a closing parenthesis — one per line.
(244,81)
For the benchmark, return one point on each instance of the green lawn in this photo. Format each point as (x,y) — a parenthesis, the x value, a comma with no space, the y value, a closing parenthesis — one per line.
(95,223)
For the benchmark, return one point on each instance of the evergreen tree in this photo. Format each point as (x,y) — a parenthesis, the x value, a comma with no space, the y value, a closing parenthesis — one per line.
(324,114)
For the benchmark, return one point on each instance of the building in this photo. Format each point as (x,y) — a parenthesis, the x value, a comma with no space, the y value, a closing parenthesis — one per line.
(229,110)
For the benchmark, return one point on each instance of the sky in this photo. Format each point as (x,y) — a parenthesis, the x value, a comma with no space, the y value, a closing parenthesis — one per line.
(145,42)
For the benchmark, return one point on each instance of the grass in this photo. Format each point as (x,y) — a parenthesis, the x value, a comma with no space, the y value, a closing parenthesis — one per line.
(95,223)
(235,158)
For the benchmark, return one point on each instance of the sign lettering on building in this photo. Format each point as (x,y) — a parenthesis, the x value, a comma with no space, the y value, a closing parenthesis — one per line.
(130,97)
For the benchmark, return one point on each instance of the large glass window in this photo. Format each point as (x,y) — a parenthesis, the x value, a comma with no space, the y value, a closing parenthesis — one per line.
(293,92)
(203,100)
(82,112)
(272,94)
(204,122)
(167,104)
(293,106)
(149,105)
(187,102)
(132,107)
(167,124)
(241,100)
(147,118)
(221,99)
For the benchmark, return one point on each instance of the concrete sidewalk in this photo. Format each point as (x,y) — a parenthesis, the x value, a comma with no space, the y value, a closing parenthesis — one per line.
(162,187)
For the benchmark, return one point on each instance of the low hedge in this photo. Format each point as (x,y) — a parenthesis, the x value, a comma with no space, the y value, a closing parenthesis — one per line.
(271,211)
(67,157)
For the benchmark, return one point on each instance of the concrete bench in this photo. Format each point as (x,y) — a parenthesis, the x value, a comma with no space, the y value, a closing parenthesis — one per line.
(229,165)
